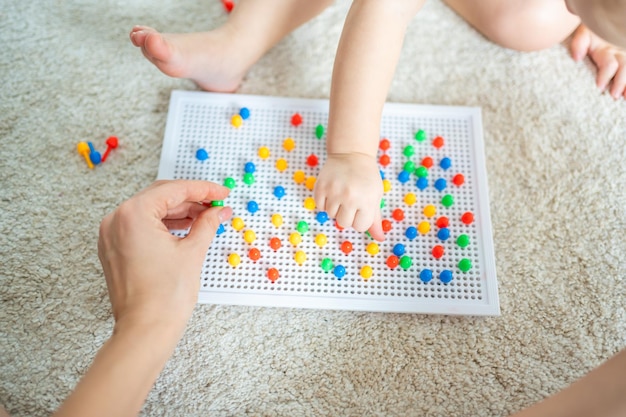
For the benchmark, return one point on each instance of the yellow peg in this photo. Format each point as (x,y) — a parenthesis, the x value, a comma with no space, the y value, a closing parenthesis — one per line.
(83,149)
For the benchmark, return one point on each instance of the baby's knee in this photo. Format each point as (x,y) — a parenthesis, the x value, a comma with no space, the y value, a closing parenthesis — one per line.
(530,25)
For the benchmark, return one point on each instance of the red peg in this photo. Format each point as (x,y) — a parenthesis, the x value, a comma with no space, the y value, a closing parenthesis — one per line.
(111,144)
(228,5)
(296,119)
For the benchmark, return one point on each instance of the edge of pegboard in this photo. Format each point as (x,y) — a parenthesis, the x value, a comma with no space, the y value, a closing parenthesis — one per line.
(483,200)
(337,303)
(490,308)
(236,100)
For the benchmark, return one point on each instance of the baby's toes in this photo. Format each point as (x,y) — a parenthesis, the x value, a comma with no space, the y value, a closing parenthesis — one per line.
(139,34)
(138,38)
(141,28)
(158,49)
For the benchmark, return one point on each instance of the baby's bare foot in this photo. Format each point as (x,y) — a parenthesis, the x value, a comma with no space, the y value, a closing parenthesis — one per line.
(210,59)
(610,60)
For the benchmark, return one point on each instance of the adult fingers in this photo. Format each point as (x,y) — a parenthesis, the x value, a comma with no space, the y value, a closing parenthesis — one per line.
(183,216)
(178,224)
(163,196)
(203,230)
(185,210)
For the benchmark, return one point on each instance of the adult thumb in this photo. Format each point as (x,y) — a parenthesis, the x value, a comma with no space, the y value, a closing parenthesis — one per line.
(204,228)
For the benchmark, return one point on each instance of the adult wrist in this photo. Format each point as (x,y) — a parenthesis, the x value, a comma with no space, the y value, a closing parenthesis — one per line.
(157,329)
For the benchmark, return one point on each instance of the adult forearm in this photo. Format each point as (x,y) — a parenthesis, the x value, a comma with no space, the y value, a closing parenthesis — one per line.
(123,372)
(600,393)
(366,59)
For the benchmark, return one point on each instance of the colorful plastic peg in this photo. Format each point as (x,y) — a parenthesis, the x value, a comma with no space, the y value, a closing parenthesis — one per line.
(296,119)
(111,143)
(228,5)
(94,155)
(83,149)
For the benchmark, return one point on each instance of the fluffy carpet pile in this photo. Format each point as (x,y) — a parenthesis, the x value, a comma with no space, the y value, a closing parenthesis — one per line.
(556,161)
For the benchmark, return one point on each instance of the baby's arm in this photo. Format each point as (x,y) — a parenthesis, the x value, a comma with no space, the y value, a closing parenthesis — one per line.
(349,187)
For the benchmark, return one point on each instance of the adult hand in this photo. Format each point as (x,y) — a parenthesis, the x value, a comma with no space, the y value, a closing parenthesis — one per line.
(153,277)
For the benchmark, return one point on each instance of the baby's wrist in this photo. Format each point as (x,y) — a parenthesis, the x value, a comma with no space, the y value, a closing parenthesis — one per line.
(350,155)
(357,143)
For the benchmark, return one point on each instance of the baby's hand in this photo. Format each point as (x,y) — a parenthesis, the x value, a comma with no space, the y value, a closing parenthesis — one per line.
(610,60)
(349,189)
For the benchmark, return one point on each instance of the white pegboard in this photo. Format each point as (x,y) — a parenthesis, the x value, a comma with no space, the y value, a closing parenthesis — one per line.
(203,120)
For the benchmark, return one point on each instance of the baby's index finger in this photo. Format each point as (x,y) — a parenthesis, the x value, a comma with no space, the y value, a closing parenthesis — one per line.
(166,195)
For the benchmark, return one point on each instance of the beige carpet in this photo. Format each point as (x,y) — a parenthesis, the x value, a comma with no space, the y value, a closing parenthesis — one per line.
(556,157)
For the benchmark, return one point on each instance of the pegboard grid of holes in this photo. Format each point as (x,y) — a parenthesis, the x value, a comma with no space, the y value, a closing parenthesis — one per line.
(208,127)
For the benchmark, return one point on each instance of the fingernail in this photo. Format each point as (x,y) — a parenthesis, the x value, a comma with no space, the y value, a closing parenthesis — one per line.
(221,215)
(224,214)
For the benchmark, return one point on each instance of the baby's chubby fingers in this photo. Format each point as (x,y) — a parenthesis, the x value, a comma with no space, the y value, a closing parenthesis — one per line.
(608,66)
(363,219)
(581,43)
(346,218)
(376,229)
(349,189)
(369,220)
(327,204)
(618,87)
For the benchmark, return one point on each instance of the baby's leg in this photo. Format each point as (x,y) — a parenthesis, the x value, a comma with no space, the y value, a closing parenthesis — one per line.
(523,25)
(217,60)
(529,25)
